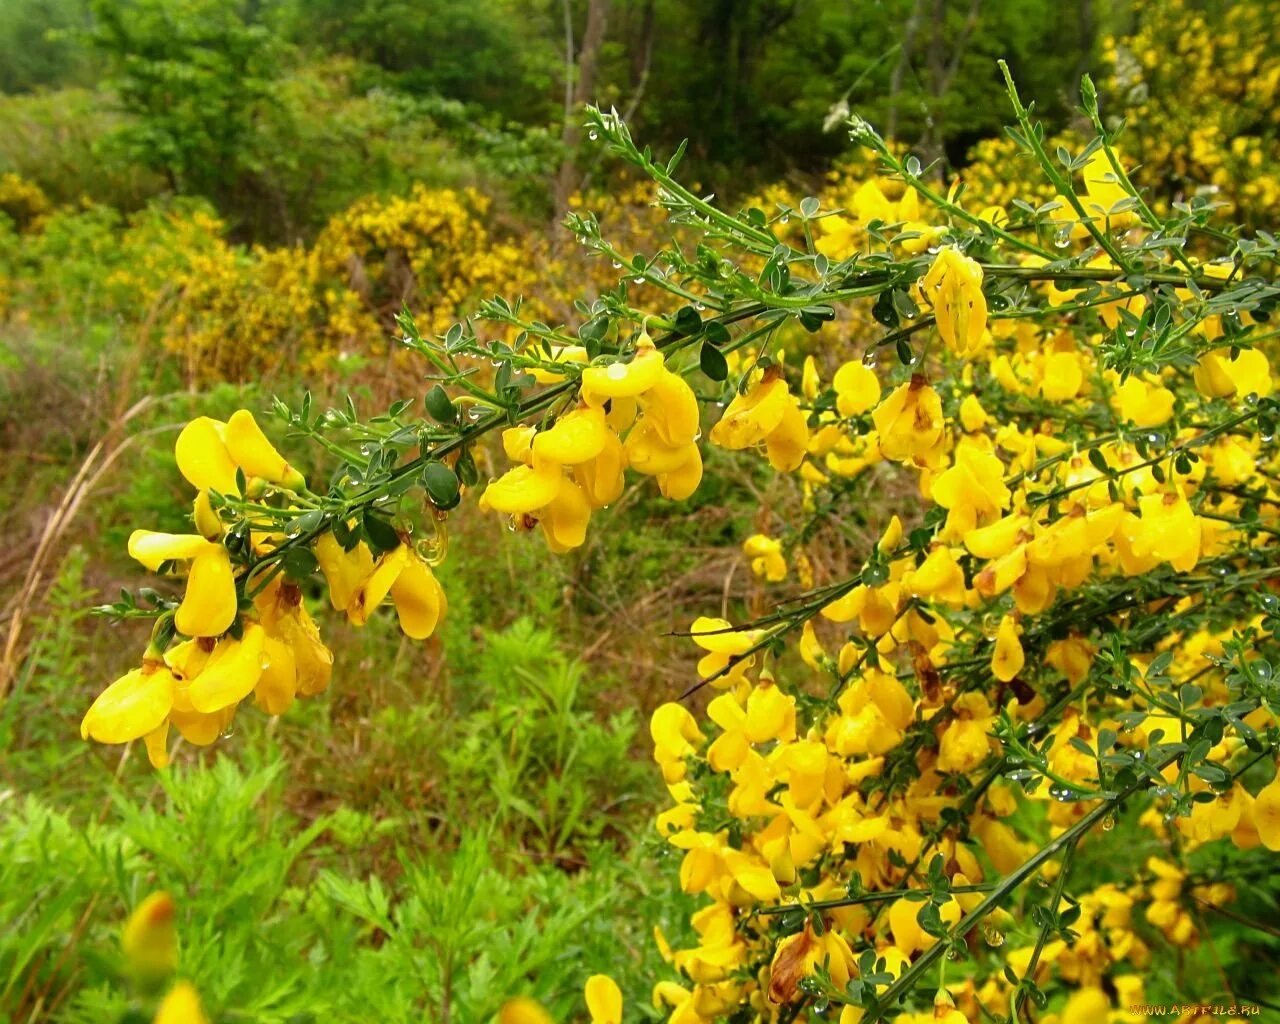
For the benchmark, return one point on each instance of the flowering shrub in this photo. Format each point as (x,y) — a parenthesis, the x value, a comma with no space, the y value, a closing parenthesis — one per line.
(901,768)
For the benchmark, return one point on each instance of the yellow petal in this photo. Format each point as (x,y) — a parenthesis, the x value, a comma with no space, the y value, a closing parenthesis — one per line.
(564,520)
(523,490)
(419,599)
(313,659)
(251,450)
(603,479)
(576,437)
(681,482)
(672,407)
(233,670)
(373,591)
(1008,658)
(134,705)
(157,741)
(1266,814)
(203,457)
(622,380)
(209,606)
(279,681)
(153,549)
(344,571)
(857,389)
(604,1000)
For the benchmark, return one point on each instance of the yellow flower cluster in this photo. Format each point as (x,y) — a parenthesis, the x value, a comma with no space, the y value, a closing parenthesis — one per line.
(576,465)
(248,632)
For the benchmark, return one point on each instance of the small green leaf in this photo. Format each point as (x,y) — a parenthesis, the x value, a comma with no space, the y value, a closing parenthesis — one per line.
(379,532)
(713,362)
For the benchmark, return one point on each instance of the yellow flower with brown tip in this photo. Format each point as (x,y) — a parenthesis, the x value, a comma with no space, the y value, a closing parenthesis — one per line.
(953,286)
(150,940)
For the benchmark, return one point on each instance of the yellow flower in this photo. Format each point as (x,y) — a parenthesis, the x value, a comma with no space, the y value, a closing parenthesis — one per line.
(604,1000)
(181,1006)
(1219,376)
(250,449)
(1266,814)
(766,557)
(203,457)
(754,415)
(1007,659)
(857,389)
(954,287)
(210,603)
(965,741)
(135,704)
(1142,403)
(150,940)
(1103,192)
(972,489)
(1168,531)
(523,1010)
(910,424)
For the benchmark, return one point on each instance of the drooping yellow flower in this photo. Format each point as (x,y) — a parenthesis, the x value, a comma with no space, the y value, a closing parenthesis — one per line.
(954,286)
(910,424)
(210,602)
(150,940)
(419,599)
(604,1000)
(766,413)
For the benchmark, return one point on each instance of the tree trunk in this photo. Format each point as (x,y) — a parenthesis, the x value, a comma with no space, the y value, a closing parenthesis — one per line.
(583,92)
